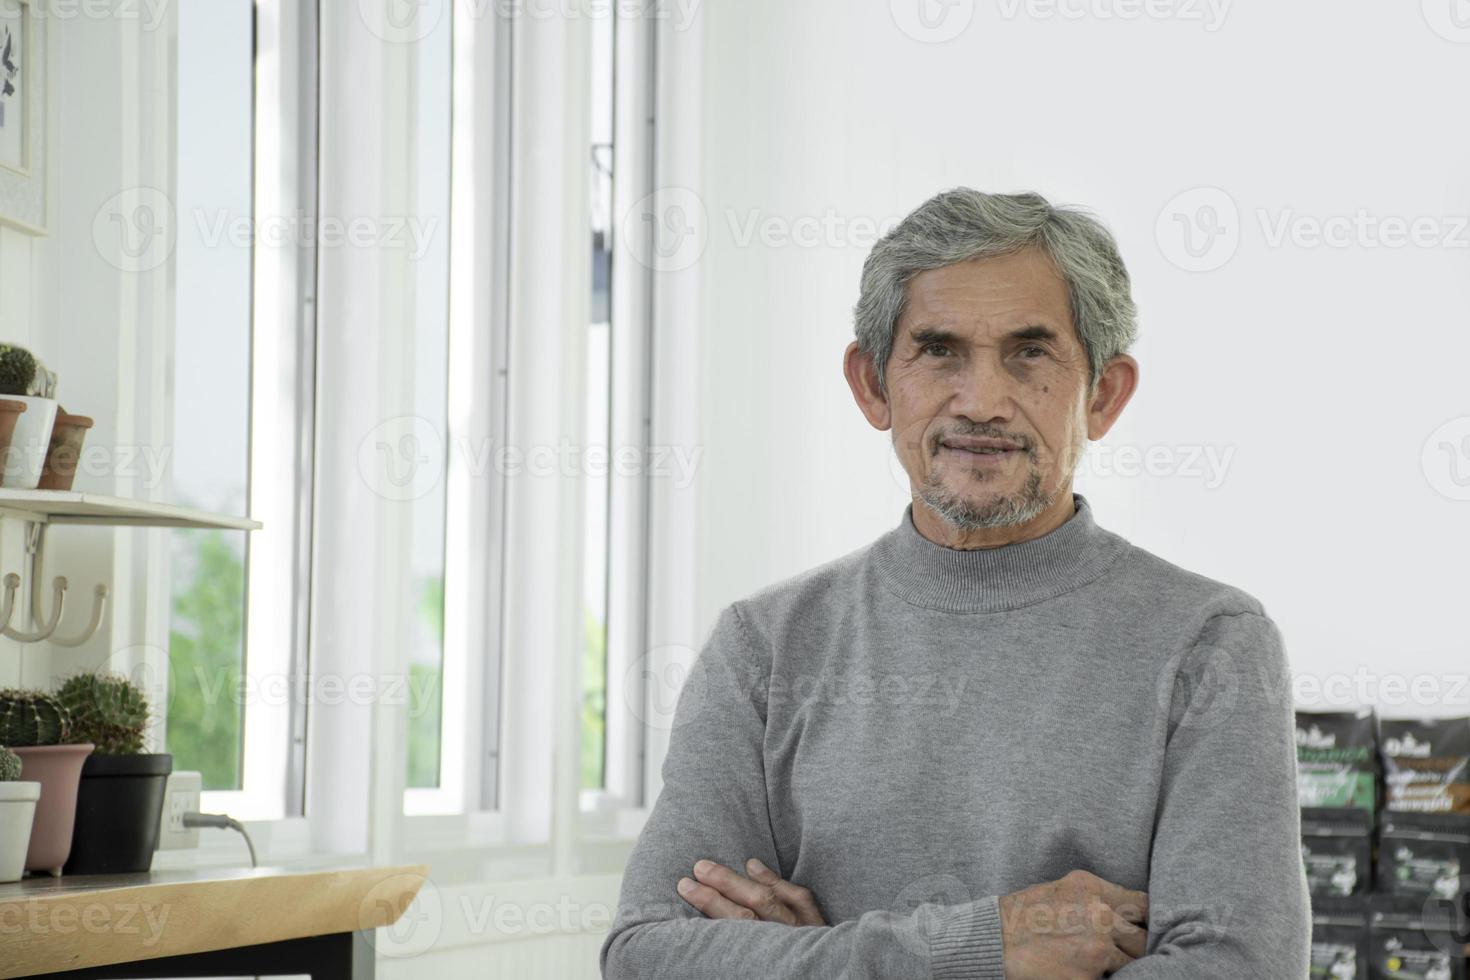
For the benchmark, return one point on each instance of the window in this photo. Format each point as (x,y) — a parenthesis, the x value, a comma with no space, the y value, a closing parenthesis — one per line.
(599,379)
(616,523)
(211,422)
(435,736)
(243,371)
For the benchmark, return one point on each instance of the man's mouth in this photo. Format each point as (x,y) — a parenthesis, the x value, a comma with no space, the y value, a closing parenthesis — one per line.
(993,449)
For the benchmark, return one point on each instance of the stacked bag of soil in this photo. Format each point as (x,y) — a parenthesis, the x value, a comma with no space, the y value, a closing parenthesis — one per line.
(1386,844)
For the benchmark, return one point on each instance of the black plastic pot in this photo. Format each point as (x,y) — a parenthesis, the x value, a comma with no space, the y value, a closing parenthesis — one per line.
(119,801)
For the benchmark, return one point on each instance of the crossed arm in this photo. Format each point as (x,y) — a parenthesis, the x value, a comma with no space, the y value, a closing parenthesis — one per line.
(1229,785)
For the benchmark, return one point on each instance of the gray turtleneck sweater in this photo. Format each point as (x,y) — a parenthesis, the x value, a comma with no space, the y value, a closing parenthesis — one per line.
(912,731)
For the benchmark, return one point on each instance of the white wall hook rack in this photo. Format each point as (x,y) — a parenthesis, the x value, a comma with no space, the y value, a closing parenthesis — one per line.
(42,508)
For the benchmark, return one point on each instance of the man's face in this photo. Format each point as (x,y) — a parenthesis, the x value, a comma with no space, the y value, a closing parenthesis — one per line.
(984,356)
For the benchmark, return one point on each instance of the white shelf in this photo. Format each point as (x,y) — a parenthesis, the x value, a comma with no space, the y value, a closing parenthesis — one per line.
(75,507)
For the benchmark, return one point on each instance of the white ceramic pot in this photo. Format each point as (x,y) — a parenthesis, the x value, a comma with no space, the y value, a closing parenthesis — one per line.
(17,810)
(26,457)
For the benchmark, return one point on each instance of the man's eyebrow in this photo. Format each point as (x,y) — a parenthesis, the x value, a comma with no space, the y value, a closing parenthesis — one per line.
(932,335)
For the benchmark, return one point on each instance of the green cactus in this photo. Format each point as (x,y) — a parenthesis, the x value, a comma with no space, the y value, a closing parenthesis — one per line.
(9,765)
(32,718)
(17,370)
(107,710)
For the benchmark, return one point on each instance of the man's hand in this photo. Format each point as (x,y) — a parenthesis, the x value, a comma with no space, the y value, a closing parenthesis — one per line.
(724,894)
(1080,927)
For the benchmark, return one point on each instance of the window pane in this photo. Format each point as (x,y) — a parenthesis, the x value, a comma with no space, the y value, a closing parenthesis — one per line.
(210,453)
(599,417)
(431,376)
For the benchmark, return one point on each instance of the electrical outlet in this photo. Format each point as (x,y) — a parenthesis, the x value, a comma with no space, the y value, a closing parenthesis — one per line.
(180,796)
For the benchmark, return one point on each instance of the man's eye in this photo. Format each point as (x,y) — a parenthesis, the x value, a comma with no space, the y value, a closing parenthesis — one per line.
(1040,351)
(936,348)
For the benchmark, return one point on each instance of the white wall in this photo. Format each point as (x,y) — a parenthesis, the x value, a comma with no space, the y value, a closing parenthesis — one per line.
(1323,370)
(100,323)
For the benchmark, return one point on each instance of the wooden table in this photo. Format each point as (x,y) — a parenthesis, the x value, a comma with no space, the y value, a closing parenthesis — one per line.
(201,923)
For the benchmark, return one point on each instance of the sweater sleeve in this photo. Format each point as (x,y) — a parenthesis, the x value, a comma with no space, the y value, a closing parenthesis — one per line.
(714,805)
(1227,890)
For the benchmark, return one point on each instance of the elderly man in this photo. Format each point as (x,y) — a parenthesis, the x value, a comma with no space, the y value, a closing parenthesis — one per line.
(1000,742)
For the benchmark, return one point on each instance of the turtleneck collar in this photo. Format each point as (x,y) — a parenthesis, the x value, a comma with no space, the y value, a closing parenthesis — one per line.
(995,579)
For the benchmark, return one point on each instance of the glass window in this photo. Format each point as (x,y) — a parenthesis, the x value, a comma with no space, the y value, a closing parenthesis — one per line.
(212,351)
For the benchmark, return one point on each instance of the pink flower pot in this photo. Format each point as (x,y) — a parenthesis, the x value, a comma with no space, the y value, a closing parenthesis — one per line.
(57,768)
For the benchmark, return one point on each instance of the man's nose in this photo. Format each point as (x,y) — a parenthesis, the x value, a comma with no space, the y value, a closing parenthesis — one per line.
(983,391)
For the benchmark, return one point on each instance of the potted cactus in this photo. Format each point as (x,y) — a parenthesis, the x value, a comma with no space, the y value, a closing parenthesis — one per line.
(17,814)
(120,797)
(34,726)
(24,379)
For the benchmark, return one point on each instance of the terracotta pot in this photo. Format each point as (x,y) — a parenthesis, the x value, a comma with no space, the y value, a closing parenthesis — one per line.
(57,768)
(65,451)
(10,410)
(17,815)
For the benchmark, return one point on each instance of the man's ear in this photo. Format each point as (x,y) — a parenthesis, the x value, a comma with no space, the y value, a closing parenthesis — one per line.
(1115,386)
(862,377)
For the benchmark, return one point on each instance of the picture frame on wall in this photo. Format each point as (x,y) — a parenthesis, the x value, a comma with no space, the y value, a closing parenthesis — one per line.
(22,117)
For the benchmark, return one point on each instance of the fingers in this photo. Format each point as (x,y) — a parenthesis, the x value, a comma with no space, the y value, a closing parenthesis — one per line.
(797,898)
(1128,937)
(709,901)
(1130,904)
(740,891)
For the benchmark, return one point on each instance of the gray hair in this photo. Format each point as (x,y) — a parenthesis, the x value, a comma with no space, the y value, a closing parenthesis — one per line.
(961,224)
